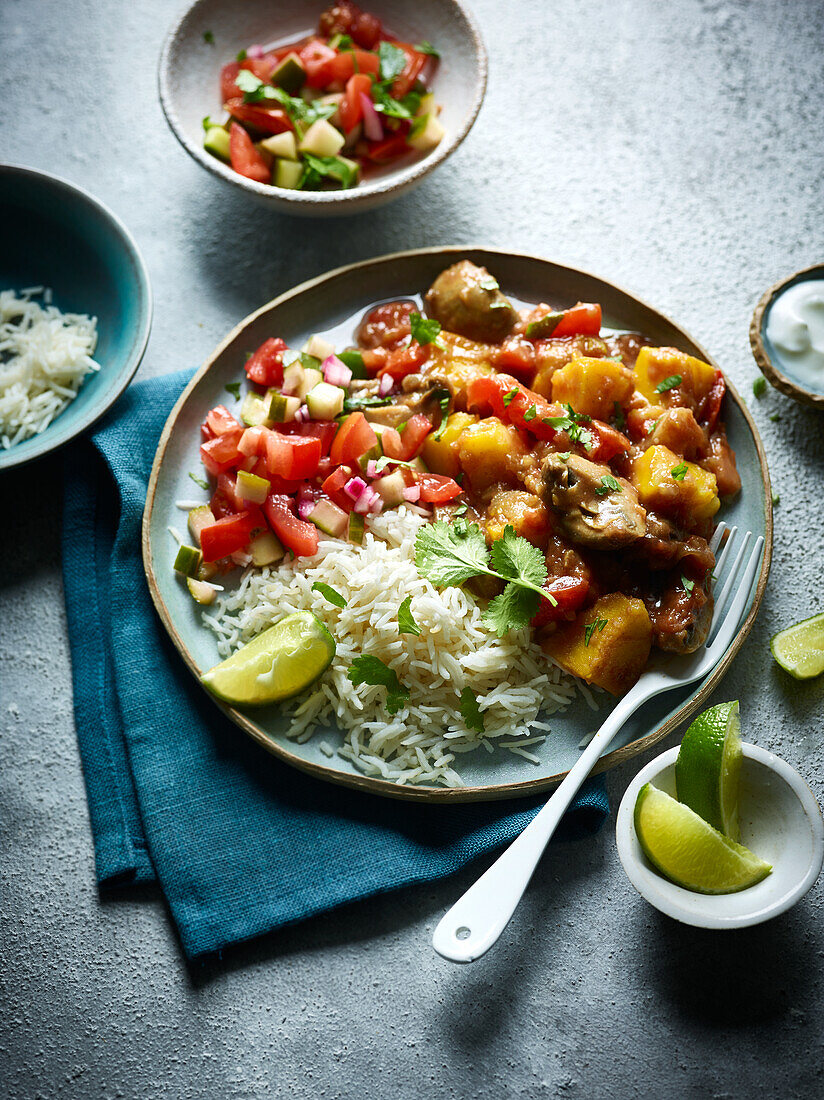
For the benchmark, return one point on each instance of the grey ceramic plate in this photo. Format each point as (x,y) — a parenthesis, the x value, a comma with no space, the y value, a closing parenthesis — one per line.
(190,70)
(320,306)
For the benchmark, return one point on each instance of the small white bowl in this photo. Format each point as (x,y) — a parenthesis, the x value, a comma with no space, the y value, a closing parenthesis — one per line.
(780,821)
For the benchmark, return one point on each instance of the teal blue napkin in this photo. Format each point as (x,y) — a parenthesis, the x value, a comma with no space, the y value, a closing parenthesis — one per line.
(240,843)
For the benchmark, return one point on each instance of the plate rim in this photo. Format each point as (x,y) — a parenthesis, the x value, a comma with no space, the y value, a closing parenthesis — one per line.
(447,795)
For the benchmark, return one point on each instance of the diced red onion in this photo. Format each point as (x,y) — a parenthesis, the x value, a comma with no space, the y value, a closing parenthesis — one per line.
(354,487)
(305,507)
(255,52)
(302,415)
(385,384)
(371,121)
(335,372)
(412,493)
(368,501)
(371,468)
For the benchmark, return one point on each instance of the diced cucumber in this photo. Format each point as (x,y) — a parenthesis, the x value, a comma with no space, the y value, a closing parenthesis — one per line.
(419,465)
(216,142)
(201,591)
(329,518)
(311,378)
(357,526)
(252,488)
(390,488)
(266,549)
(287,173)
(373,454)
(428,136)
(318,347)
(253,410)
(282,408)
(322,139)
(290,74)
(333,99)
(188,560)
(199,518)
(325,401)
(292,378)
(281,145)
(426,105)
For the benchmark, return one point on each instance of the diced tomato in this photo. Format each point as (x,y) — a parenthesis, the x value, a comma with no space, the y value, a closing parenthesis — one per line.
(333,487)
(405,360)
(417,429)
(351,108)
(245,158)
(296,534)
(221,421)
(228,75)
(221,453)
(569,594)
(316,57)
(582,320)
(366,30)
(387,149)
(347,62)
(206,433)
(355,437)
(230,533)
(262,67)
(226,490)
(391,443)
(711,405)
(265,366)
(414,64)
(517,355)
(292,457)
(374,359)
(437,488)
(269,120)
(324,430)
(511,401)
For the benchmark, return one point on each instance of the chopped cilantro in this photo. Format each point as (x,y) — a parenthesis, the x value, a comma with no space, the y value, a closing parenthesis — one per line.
(669,383)
(395,108)
(776,499)
(329,593)
(300,112)
(530,413)
(590,628)
(544,326)
(443,397)
(460,510)
(489,282)
(339,168)
(364,401)
(209,38)
(406,620)
(425,330)
(775,417)
(759,386)
(687,583)
(510,397)
(564,455)
(234,389)
(392,60)
(200,482)
(653,426)
(353,359)
(470,711)
(367,669)
(608,485)
(241,56)
(428,48)
(679,472)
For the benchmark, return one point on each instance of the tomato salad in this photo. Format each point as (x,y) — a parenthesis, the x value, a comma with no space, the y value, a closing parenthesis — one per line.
(320,112)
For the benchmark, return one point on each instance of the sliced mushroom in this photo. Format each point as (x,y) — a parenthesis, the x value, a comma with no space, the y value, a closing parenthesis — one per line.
(421,393)
(466,299)
(588,508)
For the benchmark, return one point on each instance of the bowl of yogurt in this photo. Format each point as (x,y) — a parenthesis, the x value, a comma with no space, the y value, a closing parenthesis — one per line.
(787,336)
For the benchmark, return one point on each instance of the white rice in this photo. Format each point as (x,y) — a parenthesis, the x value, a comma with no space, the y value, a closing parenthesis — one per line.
(44,357)
(512,678)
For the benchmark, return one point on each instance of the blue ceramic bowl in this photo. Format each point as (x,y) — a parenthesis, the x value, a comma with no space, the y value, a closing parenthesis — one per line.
(57,235)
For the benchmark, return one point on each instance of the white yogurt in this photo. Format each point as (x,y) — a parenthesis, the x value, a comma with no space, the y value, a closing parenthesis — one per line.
(795,328)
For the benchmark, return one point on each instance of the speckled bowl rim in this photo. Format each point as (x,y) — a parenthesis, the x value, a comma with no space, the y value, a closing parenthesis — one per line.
(770,371)
(632,859)
(328,201)
(383,787)
(54,436)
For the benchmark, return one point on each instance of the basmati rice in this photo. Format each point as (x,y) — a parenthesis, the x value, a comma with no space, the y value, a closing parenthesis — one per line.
(44,357)
(512,678)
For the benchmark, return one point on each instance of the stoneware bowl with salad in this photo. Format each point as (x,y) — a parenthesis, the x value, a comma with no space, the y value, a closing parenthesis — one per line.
(318,108)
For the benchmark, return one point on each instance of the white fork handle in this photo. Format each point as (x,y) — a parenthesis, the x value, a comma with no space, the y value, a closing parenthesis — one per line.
(476,920)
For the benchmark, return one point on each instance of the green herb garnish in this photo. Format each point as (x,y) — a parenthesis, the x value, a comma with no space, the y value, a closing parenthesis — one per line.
(209,38)
(679,472)
(443,397)
(776,499)
(510,397)
(619,419)
(759,386)
(395,108)
(406,620)
(571,423)
(392,60)
(775,417)
(371,670)
(470,711)
(365,401)
(687,583)
(353,359)
(530,413)
(425,330)
(241,56)
(329,593)
(608,485)
(200,482)
(590,629)
(234,389)
(339,168)
(669,383)
(427,48)
(544,326)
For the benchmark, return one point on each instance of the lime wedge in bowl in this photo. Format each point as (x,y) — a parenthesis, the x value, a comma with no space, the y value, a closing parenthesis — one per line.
(800,648)
(688,851)
(709,766)
(279,663)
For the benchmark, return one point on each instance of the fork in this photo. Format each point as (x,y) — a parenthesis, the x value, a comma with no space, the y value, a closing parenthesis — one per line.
(477,919)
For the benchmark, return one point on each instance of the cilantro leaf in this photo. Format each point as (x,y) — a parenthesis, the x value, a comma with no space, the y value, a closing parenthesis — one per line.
(544,326)
(406,620)
(510,396)
(679,472)
(209,38)
(339,168)
(530,413)
(608,485)
(395,108)
(329,593)
(241,55)
(759,386)
(517,559)
(392,60)
(590,628)
(459,511)
(234,389)
(489,282)
(424,330)
(669,383)
(445,558)
(443,397)
(687,583)
(367,669)
(300,112)
(364,401)
(776,499)
(427,48)
(512,610)
(199,482)
(619,418)
(470,711)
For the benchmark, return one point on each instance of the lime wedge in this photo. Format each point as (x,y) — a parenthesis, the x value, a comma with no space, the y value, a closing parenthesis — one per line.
(800,649)
(282,661)
(688,851)
(708,767)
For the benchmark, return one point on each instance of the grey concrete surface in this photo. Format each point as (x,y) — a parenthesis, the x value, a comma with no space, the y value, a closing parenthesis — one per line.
(673,147)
